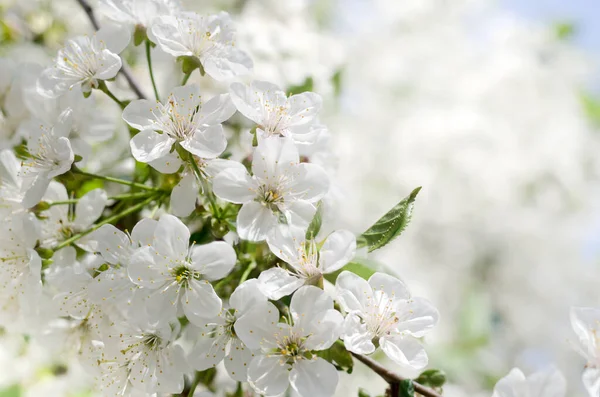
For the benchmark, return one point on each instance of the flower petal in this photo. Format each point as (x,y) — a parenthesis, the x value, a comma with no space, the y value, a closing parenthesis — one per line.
(200,301)
(404,351)
(89,208)
(258,325)
(277,283)
(353,292)
(394,288)
(247,295)
(213,260)
(140,114)
(171,238)
(184,196)
(148,145)
(235,185)
(255,221)
(314,378)
(267,376)
(339,248)
(238,360)
(208,143)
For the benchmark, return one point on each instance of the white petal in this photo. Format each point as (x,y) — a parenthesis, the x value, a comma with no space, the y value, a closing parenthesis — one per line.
(139,114)
(213,260)
(168,164)
(143,232)
(200,301)
(300,213)
(111,243)
(35,192)
(226,64)
(248,100)
(235,185)
(258,325)
(184,196)
(512,385)
(310,182)
(268,376)
(171,237)
(307,302)
(144,271)
(406,352)
(323,329)
(207,352)
(274,157)
(208,143)
(339,248)
(304,107)
(277,283)
(315,378)
(238,360)
(255,221)
(353,292)
(246,295)
(548,383)
(89,208)
(165,33)
(591,381)
(162,304)
(110,65)
(420,316)
(394,288)
(356,337)
(217,110)
(148,145)
(286,242)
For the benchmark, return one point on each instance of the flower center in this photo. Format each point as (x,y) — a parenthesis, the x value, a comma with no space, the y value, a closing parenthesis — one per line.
(183,275)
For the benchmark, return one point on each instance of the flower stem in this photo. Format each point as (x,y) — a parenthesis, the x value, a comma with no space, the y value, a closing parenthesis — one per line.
(393,378)
(186,78)
(104,88)
(149,59)
(250,267)
(131,196)
(115,180)
(111,219)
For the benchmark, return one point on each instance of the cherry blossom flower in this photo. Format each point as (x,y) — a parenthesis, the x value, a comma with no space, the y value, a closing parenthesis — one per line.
(218,341)
(546,383)
(177,276)
(381,312)
(137,12)
(275,113)
(287,350)
(307,262)
(280,188)
(209,39)
(586,324)
(84,61)
(183,119)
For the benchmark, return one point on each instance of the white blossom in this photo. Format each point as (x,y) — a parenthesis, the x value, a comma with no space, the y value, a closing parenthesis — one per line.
(275,113)
(137,12)
(209,39)
(84,61)
(280,186)
(218,341)
(287,350)
(307,262)
(545,383)
(183,119)
(381,312)
(176,276)
(586,324)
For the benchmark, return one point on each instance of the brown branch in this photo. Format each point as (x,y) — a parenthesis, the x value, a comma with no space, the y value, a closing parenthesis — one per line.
(124,68)
(393,378)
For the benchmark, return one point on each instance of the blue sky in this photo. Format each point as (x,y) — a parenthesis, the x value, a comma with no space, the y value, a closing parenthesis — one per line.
(584,13)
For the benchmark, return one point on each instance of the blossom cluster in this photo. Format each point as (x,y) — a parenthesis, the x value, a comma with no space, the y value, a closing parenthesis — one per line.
(211,251)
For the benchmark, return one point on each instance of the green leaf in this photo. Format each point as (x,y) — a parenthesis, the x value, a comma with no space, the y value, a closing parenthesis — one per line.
(189,63)
(88,186)
(591,107)
(315,224)
(362,267)
(432,378)
(564,30)
(13,391)
(307,85)
(406,388)
(389,226)
(336,81)
(363,393)
(338,356)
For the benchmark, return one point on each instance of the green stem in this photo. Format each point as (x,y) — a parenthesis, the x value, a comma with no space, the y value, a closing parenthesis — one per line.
(132,196)
(194,385)
(207,192)
(250,267)
(104,88)
(186,78)
(111,219)
(115,180)
(149,59)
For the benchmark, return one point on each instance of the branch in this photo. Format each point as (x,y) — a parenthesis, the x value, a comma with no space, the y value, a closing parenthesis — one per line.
(124,68)
(393,378)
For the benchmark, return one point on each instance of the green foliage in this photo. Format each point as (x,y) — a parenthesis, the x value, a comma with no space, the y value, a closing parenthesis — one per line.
(315,224)
(591,107)
(363,393)
(336,81)
(307,85)
(88,186)
(338,356)
(432,377)
(189,64)
(406,388)
(564,30)
(12,391)
(389,226)
(359,266)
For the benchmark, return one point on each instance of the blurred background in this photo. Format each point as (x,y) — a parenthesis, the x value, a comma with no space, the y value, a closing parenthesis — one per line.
(493,107)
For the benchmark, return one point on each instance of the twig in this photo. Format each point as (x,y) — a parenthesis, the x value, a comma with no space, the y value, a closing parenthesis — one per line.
(393,378)
(124,68)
